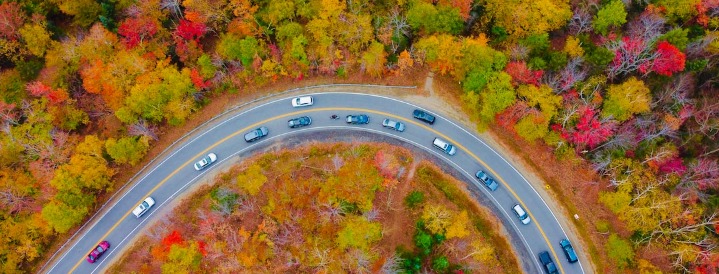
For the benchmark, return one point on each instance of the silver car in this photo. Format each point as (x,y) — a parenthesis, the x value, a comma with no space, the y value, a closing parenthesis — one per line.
(398,126)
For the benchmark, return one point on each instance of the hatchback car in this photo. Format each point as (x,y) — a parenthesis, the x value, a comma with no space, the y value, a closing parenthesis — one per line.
(398,126)
(486,180)
(303,101)
(143,207)
(299,122)
(444,146)
(256,134)
(205,161)
(547,263)
(358,119)
(98,251)
(423,116)
(568,250)
(521,214)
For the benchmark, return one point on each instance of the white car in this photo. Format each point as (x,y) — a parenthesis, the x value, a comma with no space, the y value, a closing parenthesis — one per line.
(444,146)
(206,161)
(143,207)
(303,101)
(521,214)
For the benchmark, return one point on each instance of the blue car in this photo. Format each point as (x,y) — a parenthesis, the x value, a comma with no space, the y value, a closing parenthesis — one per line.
(486,180)
(568,251)
(358,119)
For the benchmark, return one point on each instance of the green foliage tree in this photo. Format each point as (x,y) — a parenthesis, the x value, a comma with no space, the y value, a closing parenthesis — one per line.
(497,95)
(532,127)
(183,259)
(207,68)
(620,251)
(677,37)
(62,217)
(233,47)
(359,233)
(678,10)
(12,90)
(252,179)
(127,150)
(164,93)
(626,99)
(612,14)
(440,264)
(414,199)
(374,59)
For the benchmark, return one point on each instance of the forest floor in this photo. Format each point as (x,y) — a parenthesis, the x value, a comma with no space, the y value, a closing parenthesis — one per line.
(432,92)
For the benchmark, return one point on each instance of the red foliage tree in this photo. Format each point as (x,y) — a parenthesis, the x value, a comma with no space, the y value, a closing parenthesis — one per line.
(11,20)
(188,30)
(673,165)
(521,74)
(37,89)
(172,239)
(589,130)
(669,60)
(197,80)
(136,30)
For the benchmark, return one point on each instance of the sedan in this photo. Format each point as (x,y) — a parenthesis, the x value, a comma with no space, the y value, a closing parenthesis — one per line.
(358,119)
(98,251)
(486,180)
(256,134)
(304,101)
(299,122)
(398,126)
(206,161)
(423,116)
(521,214)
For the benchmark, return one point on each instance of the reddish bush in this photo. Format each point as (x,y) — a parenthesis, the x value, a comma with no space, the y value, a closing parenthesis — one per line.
(669,60)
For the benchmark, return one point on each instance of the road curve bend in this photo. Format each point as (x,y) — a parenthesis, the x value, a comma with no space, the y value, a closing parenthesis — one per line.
(173,174)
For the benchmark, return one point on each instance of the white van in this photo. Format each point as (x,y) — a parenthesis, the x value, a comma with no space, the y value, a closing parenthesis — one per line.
(444,146)
(143,207)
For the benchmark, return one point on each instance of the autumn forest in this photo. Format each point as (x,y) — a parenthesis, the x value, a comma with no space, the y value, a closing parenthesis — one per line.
(628,88)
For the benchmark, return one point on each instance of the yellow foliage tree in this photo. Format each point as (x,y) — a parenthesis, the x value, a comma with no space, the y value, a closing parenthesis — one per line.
(522,18)
(252,179)
(573,47)
(458,228)
(437,218)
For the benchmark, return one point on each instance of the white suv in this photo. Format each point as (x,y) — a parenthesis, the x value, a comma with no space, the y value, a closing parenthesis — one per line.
(444,146)
(143,207)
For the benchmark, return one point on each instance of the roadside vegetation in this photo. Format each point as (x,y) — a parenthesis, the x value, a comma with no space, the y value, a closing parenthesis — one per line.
(334,208)
(629,87)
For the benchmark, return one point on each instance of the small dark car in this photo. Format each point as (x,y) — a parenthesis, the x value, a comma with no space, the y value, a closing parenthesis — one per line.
(547,263)
(358,119)
(98,251)
(299,122)
(568,251)
(423,116)
(486,180)
(256,134)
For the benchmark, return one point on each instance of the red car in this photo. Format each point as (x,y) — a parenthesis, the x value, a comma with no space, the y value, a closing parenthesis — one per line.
(98,251)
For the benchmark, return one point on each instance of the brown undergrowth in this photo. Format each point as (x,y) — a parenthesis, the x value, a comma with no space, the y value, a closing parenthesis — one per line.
(295,207)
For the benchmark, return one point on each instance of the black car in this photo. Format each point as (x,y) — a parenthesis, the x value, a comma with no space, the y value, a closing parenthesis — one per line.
(358,119)
(299,122)
(256,134)
(424,116)
(568,251)
(547,263)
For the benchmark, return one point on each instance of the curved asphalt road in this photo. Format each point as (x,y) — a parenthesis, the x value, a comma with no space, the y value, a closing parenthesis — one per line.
(172,175)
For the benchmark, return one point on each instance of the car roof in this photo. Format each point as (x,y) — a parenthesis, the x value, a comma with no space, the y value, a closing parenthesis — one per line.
(518,208)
